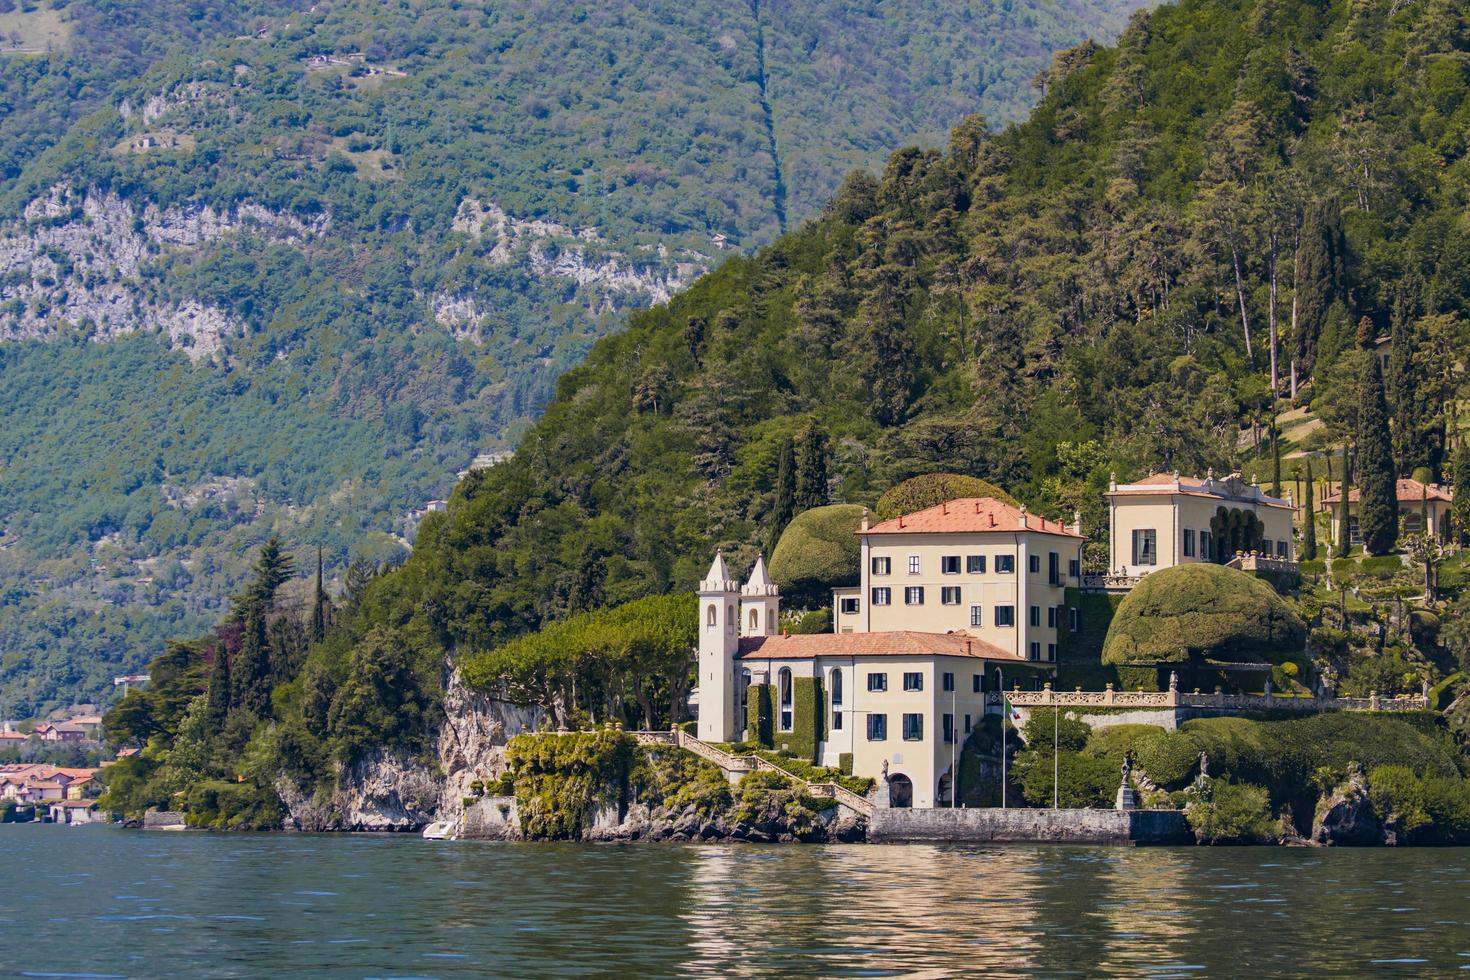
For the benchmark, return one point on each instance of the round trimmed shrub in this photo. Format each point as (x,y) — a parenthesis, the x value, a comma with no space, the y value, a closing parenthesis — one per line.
(818,552)
(1202,612)
(933,489)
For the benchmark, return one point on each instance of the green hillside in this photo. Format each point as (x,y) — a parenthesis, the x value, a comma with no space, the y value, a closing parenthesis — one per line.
(354,246)
(1038,307)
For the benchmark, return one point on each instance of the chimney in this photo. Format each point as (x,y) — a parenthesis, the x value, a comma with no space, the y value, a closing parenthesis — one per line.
(864,525)
(1077,521)
(992,518)
(967,648)
(1023,515)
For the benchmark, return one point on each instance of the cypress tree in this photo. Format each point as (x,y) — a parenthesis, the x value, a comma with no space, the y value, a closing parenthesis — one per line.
(317,625)
(1404,389)
(1344,538)
(217,702)
(1309,529)
(1378,507)
(811,468)
(251,678)
(1275,457)
(1460,509)
(1319,279)
(784,506)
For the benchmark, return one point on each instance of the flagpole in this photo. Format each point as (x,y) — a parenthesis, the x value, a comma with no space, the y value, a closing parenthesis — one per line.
(1005,716)
(954,734)
(1055,785)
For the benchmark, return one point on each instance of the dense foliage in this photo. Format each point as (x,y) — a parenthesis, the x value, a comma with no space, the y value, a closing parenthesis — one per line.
(489,186)
(1037,307)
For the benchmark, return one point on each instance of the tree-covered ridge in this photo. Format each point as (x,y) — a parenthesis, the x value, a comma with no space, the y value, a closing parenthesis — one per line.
(1038,307)
(382,231)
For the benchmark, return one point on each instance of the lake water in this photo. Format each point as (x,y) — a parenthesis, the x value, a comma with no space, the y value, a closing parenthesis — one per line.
(99,901)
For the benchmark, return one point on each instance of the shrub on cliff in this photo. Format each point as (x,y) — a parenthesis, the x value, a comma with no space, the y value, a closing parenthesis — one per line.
(1202,612)
(561,777)
(817,552)
(1233,813)
(933,489)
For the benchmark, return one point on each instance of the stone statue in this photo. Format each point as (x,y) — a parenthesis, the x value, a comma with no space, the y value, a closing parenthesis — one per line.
(1173,680)
(1204,764)
(885,770)
(1127,766)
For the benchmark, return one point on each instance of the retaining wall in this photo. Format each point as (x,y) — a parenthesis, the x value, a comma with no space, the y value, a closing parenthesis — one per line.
(1018,826)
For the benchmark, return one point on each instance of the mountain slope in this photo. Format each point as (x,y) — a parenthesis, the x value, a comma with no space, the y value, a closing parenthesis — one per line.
(353,246)
(1040,307)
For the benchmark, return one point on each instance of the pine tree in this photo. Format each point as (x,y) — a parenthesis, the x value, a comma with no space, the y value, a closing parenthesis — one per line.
(1378,508)
(316,627)
(1309,527)
(272,570)
(784,507)
(811,468)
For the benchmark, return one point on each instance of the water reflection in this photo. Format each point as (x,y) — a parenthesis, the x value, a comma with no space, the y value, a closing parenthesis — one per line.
(226,906)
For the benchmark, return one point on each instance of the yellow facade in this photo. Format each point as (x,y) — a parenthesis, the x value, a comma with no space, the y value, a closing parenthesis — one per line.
(1005,587)
(912,701)
(1165,521)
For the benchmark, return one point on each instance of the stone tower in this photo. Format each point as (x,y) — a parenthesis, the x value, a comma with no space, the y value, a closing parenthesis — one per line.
(719,641)
(760,603)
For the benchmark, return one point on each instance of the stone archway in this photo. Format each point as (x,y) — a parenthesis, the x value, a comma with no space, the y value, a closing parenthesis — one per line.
(900,791)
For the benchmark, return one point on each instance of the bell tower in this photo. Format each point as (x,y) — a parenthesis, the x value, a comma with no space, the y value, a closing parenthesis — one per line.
(719,642)
(760,603)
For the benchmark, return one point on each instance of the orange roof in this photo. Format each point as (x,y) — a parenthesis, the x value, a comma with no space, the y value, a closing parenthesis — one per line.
(13,736)
(1409,492)
(969,515)
(1164,484)
(899,643)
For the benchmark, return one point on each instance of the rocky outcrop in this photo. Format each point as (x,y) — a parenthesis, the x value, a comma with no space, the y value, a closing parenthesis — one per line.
(608,278)
(385,792)
(770,825)
(390,791)
(81,258)
(1346,818)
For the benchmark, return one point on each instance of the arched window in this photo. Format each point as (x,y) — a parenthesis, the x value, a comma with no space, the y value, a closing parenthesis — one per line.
(837,700)
(711,616)
(730,621)
(784,683)
(755,622)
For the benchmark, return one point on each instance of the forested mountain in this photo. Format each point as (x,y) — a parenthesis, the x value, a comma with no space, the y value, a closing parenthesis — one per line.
(1039,306)
(337,250)
(1098,289)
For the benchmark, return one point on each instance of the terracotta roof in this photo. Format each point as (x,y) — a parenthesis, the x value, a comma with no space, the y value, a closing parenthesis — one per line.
(13,736)
(1409,492)
(1164,484)
(969,515)
(899,643)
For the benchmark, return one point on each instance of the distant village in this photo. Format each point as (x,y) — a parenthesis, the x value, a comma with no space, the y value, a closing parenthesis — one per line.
(42,791)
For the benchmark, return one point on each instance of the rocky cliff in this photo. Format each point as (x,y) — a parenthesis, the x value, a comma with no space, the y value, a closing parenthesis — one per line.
(389,791)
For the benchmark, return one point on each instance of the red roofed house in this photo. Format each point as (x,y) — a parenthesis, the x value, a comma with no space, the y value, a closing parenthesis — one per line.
(63,732)
(1167,519)
(1421,505)
(951,599)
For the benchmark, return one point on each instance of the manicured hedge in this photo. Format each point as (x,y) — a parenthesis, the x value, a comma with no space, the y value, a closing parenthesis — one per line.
(1199,612)
(818,552)
(933,489)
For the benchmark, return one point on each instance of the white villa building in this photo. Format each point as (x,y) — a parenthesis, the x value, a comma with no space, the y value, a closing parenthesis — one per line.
(952,598)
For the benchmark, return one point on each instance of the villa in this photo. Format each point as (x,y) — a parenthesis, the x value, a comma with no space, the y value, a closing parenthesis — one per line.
(951,599)
(954,602)
(1421,505)
(1167,519)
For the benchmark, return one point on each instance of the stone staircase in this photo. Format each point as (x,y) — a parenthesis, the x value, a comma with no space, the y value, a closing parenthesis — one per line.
(741,764)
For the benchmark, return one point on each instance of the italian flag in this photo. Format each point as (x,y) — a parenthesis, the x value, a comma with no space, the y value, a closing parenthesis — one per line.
(1011,712)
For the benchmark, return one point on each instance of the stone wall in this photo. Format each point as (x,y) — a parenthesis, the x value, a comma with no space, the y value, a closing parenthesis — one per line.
(994,825)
